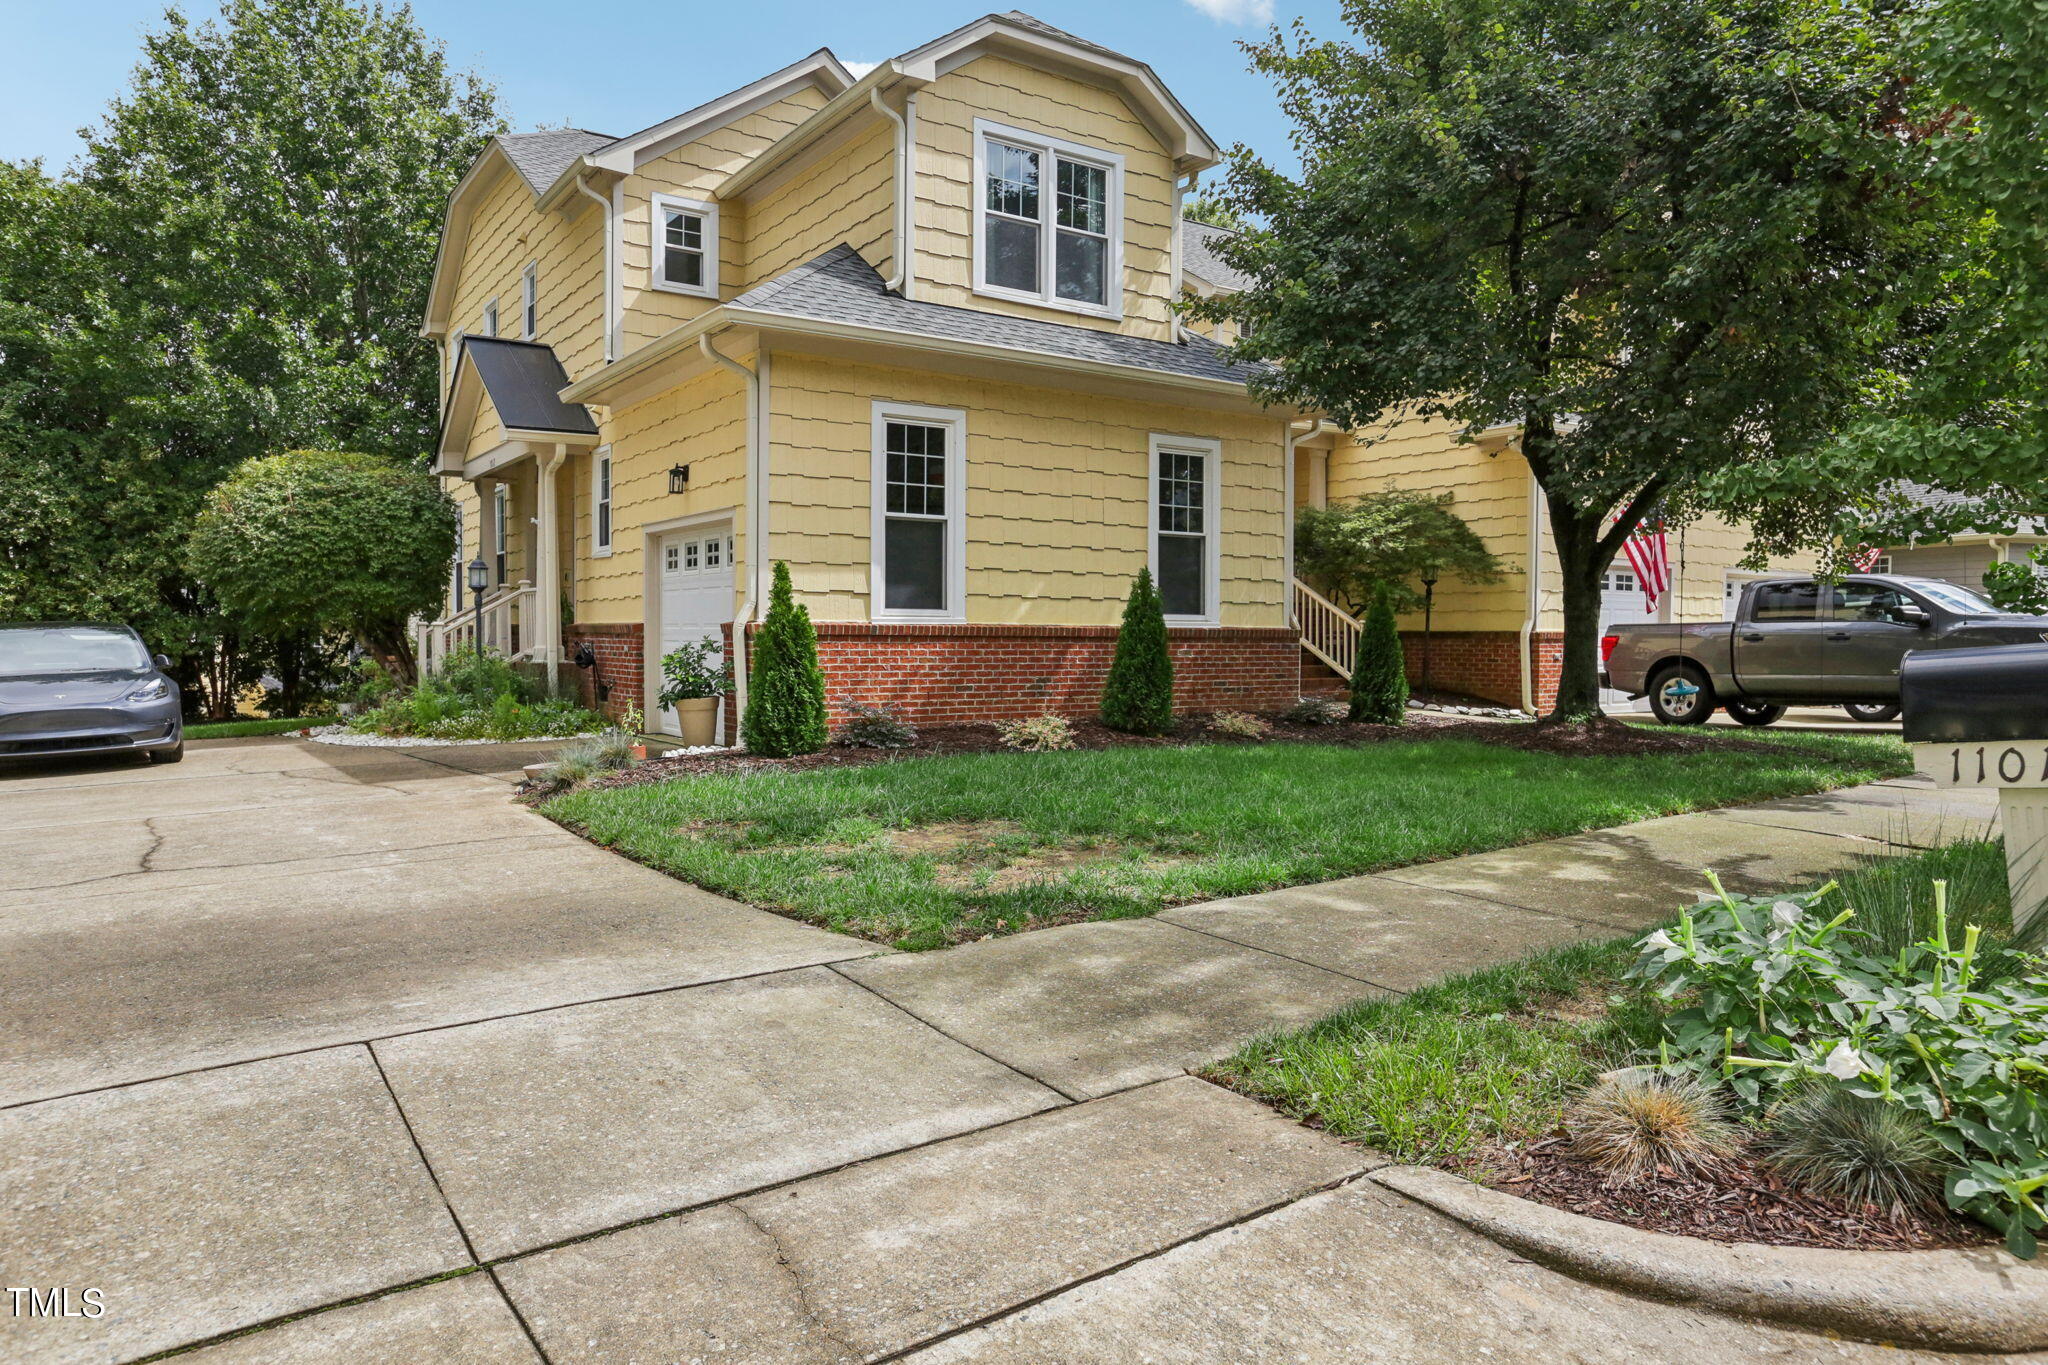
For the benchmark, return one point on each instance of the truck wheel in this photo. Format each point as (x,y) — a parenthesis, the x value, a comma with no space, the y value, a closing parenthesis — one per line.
(1754,713)
(1681,695)
(1871,712)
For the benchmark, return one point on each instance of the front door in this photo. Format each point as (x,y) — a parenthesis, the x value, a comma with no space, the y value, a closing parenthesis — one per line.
(1865,642)
(1622,603)
(1778,649)
(696,592)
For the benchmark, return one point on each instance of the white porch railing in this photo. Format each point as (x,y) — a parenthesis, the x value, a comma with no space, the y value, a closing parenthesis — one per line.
(1327,630)
(509,624)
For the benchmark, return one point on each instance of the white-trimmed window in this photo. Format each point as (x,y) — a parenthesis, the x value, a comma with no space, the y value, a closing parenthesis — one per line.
(529,301)
(1048,220)
(919,529)
(601,501)
(1186,477)
(685,246)
(490,327)
(501,516)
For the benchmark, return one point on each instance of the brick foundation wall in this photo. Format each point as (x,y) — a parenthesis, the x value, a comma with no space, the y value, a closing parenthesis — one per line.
(1485,663)
(619,667)
(943,674)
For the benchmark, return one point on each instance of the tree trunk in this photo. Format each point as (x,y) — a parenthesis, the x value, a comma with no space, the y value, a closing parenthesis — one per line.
(1576,537)
(390,644)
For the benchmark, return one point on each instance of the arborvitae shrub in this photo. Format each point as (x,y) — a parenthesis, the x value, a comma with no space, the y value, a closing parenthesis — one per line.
(1138,698)
(1379,677)
(786,688)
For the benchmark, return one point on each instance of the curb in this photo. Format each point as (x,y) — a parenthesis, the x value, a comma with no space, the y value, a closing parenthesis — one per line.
(1982,1300)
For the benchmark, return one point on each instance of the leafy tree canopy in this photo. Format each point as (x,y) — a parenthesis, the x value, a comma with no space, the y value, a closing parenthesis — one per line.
(1213,210)
(1662,240)
(1391,541)
(317,542)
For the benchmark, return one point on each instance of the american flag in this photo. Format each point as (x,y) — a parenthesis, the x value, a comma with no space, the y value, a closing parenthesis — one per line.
(1865,558)
(1649,554)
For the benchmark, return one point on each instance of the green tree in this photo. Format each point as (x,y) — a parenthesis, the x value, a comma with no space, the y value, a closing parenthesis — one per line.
(1661,239)
(2019,585)
(237,265)
(1213,210)
(1379,675)
(1391,540)
(785,687)
(315,543)
(1138,695)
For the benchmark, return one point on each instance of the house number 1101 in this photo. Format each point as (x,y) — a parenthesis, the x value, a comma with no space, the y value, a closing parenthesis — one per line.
(2009,767)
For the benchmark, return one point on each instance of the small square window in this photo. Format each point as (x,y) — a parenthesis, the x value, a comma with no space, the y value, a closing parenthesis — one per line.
(673,558)
(712,553)
(689,554)
(685,246)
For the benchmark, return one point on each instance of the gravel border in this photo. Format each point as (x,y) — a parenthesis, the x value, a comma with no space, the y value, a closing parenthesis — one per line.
(1980,1299)
(350,739)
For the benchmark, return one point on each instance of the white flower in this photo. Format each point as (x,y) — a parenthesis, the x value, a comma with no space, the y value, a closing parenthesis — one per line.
(1844,1063)
(1659,940)
(1785,914)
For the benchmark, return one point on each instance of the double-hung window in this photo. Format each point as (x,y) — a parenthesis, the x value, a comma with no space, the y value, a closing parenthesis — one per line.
(529,301)
(490,327)
(501,513)
(685,246)
(601,501)
(1048,220)
(919,525)
(1186,472)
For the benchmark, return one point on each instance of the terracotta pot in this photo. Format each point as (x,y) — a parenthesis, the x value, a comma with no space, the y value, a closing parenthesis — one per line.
(639,752)
(697,718)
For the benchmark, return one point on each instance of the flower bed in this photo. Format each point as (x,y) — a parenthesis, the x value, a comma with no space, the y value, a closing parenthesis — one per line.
(475,697)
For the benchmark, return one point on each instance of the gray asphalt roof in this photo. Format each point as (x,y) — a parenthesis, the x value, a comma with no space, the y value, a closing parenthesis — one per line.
(1927,495)
(540,158)
(523,378)
(1199,258)
(840,286)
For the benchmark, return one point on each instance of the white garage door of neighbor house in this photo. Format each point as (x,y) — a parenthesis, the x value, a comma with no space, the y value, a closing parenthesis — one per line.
(696,591)
(1621,604)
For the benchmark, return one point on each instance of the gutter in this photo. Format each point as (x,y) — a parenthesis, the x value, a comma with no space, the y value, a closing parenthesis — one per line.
(611,269)
(1535,605)
(757,506)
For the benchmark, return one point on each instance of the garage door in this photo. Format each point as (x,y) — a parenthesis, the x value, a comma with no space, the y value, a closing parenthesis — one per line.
(1622,603)
(696,591)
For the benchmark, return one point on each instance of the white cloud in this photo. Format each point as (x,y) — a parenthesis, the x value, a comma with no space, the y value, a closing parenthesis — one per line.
(1236,11)
(860,69)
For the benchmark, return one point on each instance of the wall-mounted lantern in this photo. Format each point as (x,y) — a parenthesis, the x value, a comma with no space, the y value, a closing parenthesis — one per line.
(679,478)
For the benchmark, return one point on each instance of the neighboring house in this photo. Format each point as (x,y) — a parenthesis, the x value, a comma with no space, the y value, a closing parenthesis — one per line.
(1963,557)
(911,334)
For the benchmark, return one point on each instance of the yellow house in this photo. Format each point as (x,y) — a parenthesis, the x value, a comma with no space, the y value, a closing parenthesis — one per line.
(910,334)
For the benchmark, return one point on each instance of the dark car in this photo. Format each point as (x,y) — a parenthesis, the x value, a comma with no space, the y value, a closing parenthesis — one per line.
(78,688)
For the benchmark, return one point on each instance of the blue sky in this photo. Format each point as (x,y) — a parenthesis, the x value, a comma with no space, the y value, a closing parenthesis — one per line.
(564,61)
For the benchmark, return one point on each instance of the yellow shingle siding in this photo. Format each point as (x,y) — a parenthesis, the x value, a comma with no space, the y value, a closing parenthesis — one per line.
(567,244)
(1055,500)
(1061,106)
(701,423)
(693,171)
(845,191)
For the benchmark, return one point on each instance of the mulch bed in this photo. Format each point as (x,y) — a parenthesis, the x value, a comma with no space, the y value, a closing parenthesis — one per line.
(1610,738)
(1740,1200)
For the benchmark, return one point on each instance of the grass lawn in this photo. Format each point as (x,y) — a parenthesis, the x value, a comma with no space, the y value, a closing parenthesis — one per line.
(240,729)
(924,852)
(1494,1055)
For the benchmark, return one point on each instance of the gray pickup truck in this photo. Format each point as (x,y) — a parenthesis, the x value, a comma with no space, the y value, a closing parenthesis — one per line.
(1798,641)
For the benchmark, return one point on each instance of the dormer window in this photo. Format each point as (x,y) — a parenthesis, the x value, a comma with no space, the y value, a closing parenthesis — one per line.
(685,246)
(1048,221)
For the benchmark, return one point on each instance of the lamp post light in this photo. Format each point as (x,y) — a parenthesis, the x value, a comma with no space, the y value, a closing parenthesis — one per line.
(479,578)
(1430,573)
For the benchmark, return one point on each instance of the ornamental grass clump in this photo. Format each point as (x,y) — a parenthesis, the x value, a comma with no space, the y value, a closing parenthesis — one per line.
(1637,1123)
(1240,725)
(1038,735)
(1791,994)
(1138,698)
(1859,1149)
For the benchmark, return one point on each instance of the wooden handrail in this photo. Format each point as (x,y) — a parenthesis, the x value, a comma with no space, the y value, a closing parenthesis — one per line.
(1327,630)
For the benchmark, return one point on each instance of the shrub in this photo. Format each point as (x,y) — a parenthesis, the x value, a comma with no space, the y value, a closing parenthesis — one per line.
(1138,697)
(1858,1149)
(786,689)
(876,727)
(695,670)
(481,677)
(1379,676)
(1788,996)
(1635,1121)
(1317,711)
(1038,735)
(1240,724)
(610,751)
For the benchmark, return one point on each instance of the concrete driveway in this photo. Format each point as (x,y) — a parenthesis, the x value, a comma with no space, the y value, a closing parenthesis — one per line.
(322,1054)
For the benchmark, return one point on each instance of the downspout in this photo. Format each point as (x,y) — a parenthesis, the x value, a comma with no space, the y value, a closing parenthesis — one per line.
(1535,605)
(757,509)
(611,270)
(1181,185)
(1287,514)
(894,284)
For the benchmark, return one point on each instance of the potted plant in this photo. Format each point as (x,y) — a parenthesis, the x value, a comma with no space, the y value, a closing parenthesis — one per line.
(631,722)
(694,677)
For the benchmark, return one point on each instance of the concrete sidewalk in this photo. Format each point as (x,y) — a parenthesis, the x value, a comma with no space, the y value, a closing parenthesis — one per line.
(341,1046)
